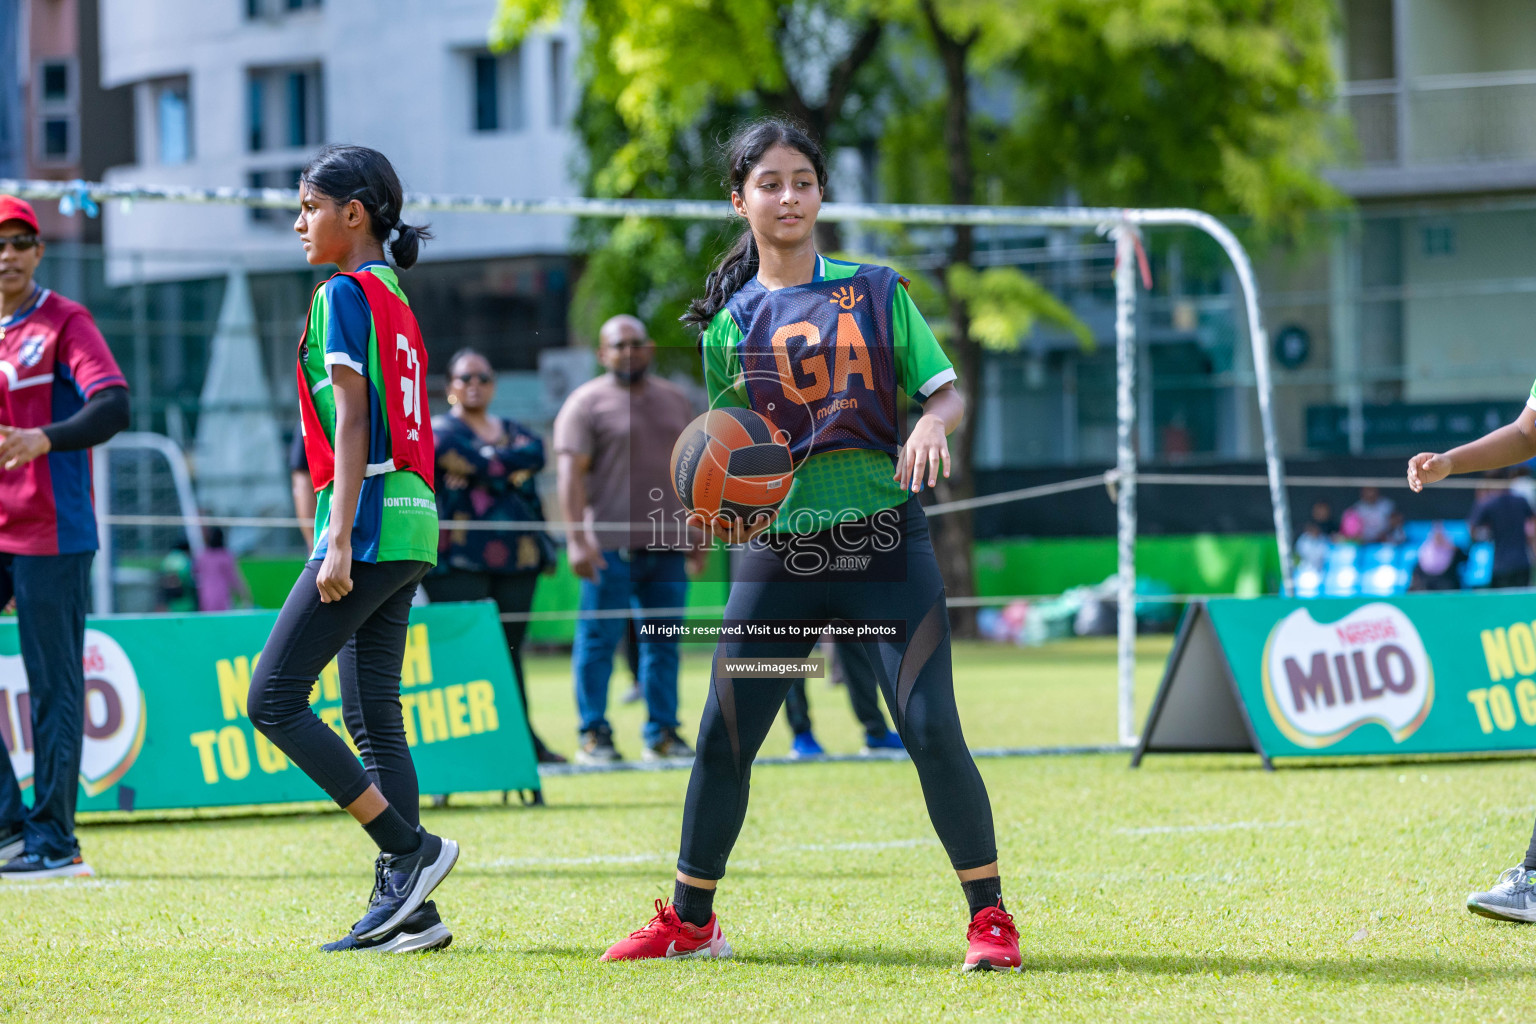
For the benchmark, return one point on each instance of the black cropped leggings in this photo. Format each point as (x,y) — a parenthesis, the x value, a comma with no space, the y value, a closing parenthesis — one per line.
(795,579)
(365,632)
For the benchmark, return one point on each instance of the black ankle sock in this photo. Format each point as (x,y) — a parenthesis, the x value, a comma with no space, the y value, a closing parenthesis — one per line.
(392,833)
(693,904)
(1530,855)
(981,893)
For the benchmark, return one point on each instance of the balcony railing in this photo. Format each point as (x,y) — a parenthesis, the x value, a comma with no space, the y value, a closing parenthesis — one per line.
(1444,120)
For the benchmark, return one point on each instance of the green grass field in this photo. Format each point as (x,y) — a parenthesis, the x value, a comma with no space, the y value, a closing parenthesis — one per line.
(1194,888)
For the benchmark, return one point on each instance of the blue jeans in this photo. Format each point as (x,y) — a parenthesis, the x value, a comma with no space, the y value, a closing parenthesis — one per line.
(634,580)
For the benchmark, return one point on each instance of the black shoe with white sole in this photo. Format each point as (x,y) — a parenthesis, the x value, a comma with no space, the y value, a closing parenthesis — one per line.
(402,882)
(419,933)
(38,867)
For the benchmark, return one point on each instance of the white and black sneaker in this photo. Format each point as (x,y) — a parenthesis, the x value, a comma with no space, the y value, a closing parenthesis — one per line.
(1512,898)
(421,932)
(597,747)
(668,746)
(39,867)
(402,883)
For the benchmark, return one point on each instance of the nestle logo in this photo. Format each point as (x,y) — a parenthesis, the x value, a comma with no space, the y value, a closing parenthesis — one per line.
(1356,633)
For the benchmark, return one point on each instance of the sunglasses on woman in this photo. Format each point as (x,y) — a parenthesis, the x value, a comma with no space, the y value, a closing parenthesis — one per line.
(21,243)
(473,378)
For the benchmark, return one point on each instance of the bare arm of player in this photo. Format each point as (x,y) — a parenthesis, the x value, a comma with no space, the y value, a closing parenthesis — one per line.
(303,486)
(571,470)
(1511,443)
(351,390)
(927,447)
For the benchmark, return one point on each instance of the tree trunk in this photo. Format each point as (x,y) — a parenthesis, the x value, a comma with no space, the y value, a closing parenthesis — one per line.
(954,537)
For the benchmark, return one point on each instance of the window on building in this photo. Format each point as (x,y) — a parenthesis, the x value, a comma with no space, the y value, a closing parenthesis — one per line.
(285,108)
(255,9)
(559,111)
(487,108)
(55,148)
(57,109)
(55,82)
(173,121)
(286,178)
(495,91)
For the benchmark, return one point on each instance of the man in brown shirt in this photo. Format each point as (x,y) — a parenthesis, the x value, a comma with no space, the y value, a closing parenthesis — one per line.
(613,443)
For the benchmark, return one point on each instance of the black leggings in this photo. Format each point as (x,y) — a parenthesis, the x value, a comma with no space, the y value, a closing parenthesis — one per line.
(778,579)
(365,633)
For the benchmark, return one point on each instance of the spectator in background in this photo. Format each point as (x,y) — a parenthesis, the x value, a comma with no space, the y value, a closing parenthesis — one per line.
(1439,564)
(218,576)
(48,534)
(1313,545)
(1397,529)
(1504,518)
(613,443)
(1373,514)
(178,589)
(486,466)
(1322,518)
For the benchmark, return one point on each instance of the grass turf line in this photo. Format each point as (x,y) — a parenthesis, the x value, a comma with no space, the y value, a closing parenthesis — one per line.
(1193,888)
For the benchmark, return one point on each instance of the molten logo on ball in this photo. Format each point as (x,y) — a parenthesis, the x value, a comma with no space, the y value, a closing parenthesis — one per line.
(114,715)
(1322,682)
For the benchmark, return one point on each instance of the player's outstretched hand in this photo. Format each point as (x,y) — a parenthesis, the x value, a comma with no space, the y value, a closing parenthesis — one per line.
(1427,468)
(730,529)
(926,453)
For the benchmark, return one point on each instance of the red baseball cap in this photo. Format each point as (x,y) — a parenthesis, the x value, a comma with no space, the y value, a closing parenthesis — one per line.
(12,208)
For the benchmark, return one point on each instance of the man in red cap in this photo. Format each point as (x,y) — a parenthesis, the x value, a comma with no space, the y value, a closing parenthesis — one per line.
(61,393)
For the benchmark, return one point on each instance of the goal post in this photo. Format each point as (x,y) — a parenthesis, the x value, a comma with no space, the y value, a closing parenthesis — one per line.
(1124,225)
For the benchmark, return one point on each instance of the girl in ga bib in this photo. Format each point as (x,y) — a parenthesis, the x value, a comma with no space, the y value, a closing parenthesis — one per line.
(826,350)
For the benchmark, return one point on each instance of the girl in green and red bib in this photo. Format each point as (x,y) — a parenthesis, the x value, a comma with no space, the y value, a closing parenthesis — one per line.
(368,442)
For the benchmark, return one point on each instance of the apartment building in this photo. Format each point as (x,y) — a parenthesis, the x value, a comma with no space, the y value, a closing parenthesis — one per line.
(244,92)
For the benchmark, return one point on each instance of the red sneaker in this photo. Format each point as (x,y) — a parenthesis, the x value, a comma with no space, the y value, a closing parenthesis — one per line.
(994,942)
(669,937)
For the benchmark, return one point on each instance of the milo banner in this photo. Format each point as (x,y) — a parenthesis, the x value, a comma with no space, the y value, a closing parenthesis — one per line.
(165,721)
(1435,673)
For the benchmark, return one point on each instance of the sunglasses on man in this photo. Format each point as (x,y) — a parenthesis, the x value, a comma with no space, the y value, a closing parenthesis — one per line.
(21,243)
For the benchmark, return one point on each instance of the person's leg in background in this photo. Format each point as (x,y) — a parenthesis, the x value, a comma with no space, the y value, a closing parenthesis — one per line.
(592,655)
(13,811)
(661,581)
(797,710)
(634,694)
(52,593)
(859,677)
(514,596)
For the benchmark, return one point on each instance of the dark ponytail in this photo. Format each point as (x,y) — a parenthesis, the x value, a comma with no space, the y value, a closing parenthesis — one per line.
(739,265)
(345,173)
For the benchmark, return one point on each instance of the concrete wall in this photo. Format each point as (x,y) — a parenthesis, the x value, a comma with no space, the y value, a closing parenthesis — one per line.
(1469,346)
